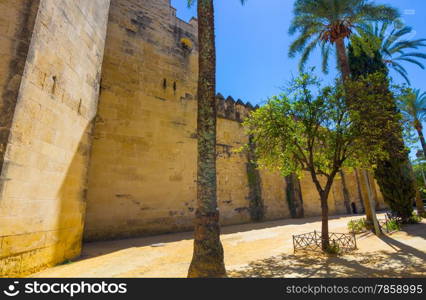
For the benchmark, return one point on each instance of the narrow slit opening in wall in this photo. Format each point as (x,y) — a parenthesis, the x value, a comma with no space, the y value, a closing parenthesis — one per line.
(174,86)
(164,83)
(54,84)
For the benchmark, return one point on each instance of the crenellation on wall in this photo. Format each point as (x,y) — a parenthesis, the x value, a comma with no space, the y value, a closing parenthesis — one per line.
(232,110)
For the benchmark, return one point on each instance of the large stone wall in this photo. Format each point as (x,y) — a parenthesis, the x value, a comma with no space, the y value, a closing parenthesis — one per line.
(121,162)
(16,28)
(143,167)
(45,164)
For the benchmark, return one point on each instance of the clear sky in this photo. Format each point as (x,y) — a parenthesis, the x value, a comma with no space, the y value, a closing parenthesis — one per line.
(253,41)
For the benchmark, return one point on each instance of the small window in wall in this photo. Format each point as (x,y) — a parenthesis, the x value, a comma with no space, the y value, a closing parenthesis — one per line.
(54,79)
(164,83)
(174,86)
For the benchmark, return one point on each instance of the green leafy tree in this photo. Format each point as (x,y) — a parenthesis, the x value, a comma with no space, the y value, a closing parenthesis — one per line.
(419,170)
(323,23)
(394,174)
(419,167)
(300,132)
(393,43)
(208,256)
(413,108)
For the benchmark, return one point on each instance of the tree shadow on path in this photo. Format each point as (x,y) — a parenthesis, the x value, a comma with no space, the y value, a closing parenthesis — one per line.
(373,264)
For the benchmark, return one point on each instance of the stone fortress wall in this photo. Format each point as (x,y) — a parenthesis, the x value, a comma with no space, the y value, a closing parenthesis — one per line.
(52,50)
(89,155)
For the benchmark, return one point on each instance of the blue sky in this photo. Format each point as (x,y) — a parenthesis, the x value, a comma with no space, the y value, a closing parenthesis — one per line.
(253,40)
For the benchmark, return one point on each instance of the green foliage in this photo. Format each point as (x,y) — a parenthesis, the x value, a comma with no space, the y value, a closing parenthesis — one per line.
(333,249)
(310,128)
(413,107)
(419,168)
(372,98)
(67,262)
(257,212)
(415,219)
(392,41)
(362,64)
(397,185)
(358,226)
(392,225)
(393,174)
(319,22)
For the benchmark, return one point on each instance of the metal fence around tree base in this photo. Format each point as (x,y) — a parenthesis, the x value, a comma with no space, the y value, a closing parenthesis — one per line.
(312,241)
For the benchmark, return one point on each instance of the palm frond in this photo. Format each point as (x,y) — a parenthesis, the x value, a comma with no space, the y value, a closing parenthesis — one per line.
(413,61)
(307,52)
(394,44)
(331,20)
(413,106)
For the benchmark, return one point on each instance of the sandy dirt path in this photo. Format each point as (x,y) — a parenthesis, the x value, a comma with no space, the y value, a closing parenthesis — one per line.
(255,250)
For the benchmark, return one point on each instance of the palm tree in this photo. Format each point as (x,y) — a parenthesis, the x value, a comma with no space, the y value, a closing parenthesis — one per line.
(413,108)
(392,41)
(208,257)
(330,22)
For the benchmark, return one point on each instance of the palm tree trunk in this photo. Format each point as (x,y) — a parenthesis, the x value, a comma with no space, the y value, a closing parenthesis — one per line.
(208,257)
(343,60)
(419,129)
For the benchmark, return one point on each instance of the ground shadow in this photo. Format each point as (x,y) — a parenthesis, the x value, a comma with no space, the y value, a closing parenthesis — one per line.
(121,244)
(419,229)
(403,261)
(358,265)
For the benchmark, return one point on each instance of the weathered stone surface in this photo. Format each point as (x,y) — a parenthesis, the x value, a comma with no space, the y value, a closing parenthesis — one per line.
(133,172)
(56,89)
(144,145)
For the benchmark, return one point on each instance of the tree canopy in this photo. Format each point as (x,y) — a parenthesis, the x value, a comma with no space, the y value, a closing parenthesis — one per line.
(310,128)
(392,41)
(323,22)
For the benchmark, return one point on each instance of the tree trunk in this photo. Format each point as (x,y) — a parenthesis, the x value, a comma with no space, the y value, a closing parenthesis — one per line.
(324,219)
(371,203)
(419,129)
(343,60)
(325,238)
(208,257)
(419,203)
